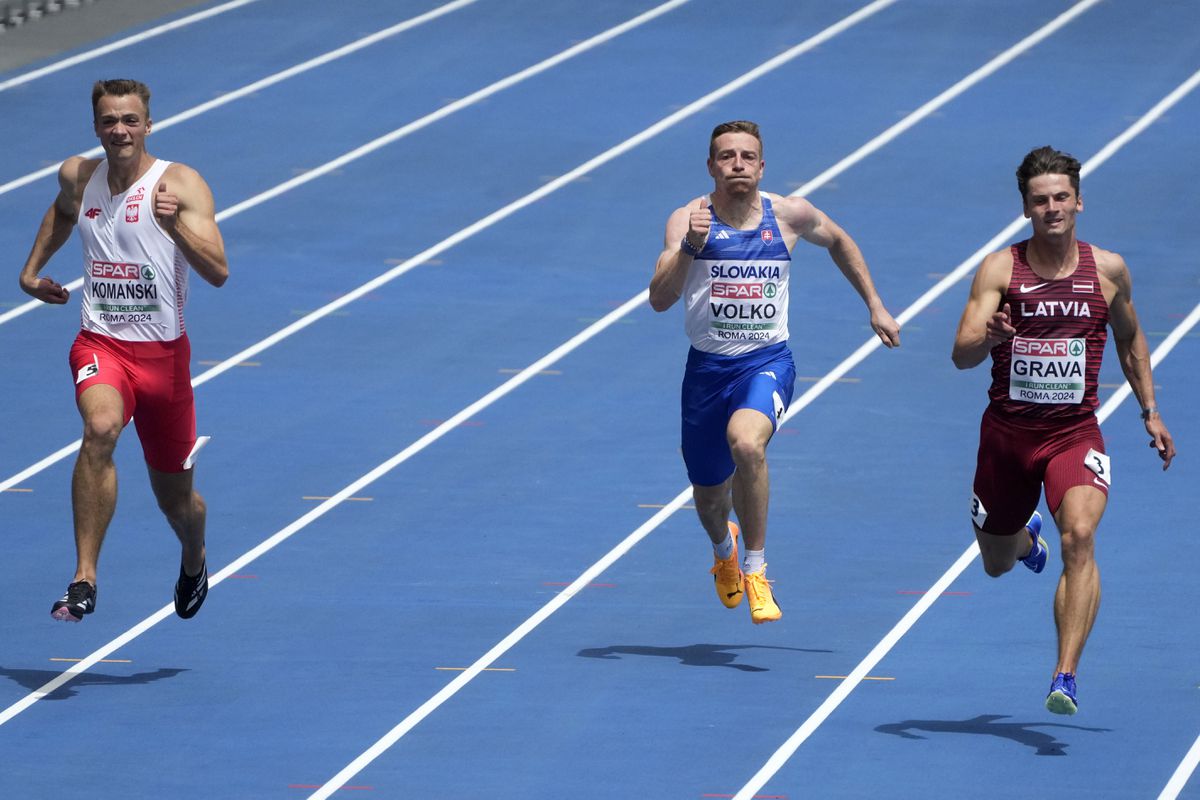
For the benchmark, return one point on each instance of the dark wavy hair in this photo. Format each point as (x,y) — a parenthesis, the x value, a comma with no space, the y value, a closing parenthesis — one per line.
(1047,161)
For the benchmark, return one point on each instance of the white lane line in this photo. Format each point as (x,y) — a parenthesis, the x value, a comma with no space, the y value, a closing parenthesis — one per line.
(121,43)
(494,217)
(815,391)
(399,133)
(843,690)
(335,500)
(471,410)
(1183,773)
(258,85)
(954,91)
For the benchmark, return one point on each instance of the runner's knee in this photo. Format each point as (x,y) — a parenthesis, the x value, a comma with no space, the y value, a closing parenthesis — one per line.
(1078,545)
(711,500)
(995,569)
(182,509)
(100,433)
(747,451)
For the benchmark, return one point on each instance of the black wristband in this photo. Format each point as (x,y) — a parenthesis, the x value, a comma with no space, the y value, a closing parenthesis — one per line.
(686,247)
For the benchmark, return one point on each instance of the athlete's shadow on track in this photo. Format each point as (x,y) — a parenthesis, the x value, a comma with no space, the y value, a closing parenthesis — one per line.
(34,679)
(1021,732)
(692,655)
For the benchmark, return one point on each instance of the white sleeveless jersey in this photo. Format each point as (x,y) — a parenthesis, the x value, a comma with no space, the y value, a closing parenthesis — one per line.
(736,292)
(134,276)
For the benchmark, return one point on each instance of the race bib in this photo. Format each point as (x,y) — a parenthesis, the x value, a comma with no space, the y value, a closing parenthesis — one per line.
(124,293)
(979,514)
(1099,463)
(88,370)
(744,300)
(1047,370)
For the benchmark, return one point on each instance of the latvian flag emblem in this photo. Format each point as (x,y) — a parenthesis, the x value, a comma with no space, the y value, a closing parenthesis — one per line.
(1082,287)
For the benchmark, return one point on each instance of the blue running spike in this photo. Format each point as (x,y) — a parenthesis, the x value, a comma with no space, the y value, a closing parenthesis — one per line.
(1061,699)
(1036,560)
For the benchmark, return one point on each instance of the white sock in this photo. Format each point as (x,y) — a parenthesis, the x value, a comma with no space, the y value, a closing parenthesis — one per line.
(754,561)
(725,549)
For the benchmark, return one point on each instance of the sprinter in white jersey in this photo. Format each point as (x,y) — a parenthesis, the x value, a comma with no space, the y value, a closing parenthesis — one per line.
(143,223)
(728,255)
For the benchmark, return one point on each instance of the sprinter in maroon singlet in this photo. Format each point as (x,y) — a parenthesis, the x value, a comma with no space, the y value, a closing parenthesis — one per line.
(1041,308)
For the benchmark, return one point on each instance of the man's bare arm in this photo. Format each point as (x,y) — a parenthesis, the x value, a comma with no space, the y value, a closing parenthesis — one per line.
(184,208)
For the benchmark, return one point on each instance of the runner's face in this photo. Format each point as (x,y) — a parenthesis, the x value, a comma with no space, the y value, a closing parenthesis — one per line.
(1051,205)
(736,164)
(122,125)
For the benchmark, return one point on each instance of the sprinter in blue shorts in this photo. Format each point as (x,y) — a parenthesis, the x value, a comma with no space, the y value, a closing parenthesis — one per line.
(727,254)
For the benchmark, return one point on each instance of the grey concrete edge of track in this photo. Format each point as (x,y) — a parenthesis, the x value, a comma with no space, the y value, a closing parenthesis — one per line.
(411,263)
(55,34)
(481,224)
(164,615)
(149,622)
(526,374)
(247,90)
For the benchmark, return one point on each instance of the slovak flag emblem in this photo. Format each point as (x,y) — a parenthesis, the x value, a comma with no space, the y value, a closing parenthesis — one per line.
(767,236)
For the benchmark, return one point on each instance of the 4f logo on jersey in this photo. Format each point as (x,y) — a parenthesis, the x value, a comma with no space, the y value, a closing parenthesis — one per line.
(131,212)
(92,213)
(767,236)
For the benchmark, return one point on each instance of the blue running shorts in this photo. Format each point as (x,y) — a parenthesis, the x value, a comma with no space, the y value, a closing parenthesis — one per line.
(714,387)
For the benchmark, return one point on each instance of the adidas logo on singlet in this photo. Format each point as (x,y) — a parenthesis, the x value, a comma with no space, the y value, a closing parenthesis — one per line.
(722,235)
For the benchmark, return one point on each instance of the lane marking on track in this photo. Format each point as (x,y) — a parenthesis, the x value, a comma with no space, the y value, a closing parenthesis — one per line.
(464,234)
(789,747)
(923,591)
(381,142)
(548,360)
(596,569)
(137,38)
(251,88)
(348,499)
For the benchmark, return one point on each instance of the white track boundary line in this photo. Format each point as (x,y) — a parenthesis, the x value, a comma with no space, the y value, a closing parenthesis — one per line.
(229,97)
(386,139)
(992,66)
(121,43)
(535,368)
(485,222)
(788,749)
(1183,772)
(816,390)
(259,85)
(337,499)
(843,690)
